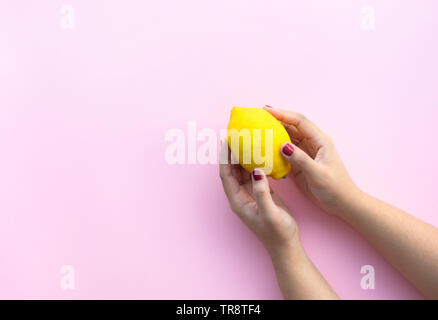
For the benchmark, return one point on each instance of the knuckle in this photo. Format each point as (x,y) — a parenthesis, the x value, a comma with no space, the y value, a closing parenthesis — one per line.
(300,116)
(259,193)
(329,140)
(299,160)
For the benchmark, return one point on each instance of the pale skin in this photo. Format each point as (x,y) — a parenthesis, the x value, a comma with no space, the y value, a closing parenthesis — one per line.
(406,242)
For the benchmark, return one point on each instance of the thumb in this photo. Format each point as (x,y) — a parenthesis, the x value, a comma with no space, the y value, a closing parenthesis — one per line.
(299,159)
(261,191)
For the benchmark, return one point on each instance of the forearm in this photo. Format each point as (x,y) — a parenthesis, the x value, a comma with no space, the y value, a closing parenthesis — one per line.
(297,277)
(409,244)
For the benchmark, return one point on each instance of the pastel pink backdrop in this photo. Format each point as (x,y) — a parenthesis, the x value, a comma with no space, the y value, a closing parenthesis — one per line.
(84,112)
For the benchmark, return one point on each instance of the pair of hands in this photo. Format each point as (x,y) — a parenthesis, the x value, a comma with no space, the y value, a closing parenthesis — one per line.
(316,169)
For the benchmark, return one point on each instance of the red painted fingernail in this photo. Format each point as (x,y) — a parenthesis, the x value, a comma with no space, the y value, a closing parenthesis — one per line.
(268,106)
(288,149)
(257,176)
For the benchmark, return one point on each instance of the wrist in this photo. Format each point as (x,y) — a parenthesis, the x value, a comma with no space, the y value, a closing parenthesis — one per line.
(291,250)
(351,203)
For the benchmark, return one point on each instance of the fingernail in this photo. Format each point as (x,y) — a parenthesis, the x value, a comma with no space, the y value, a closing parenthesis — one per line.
(288,149)
(257,175)
(268,107)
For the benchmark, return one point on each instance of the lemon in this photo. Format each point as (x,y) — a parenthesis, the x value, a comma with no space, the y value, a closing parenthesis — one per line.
(255,138)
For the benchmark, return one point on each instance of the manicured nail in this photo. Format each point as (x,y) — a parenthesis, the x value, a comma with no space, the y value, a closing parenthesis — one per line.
(288,149)
(257,176)
(268,107)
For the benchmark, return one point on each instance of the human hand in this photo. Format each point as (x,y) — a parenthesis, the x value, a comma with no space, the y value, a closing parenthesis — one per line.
(257,206)
(317,168)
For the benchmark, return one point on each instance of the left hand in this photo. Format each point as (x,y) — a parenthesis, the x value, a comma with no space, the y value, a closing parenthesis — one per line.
(259,208)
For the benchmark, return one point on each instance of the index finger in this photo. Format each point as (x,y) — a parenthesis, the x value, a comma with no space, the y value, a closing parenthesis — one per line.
(304,125)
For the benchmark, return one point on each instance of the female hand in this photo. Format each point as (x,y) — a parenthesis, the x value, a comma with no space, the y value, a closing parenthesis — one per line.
(408,243)
(317,168)
(264,213)
(257,206)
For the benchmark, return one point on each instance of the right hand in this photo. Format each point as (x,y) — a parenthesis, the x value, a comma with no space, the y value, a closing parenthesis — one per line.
(317,168)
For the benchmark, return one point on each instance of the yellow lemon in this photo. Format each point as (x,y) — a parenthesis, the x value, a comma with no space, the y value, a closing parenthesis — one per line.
(255,138)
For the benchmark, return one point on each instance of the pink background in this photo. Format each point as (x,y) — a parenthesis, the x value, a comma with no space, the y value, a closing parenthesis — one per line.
(84,112)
